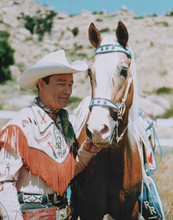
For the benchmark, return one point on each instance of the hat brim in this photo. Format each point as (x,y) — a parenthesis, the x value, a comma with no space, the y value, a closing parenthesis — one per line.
(29,78)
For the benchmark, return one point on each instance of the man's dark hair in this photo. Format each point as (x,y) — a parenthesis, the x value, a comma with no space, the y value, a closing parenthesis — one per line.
(46,79)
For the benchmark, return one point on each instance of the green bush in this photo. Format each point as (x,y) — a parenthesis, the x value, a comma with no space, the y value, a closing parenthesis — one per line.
(104,30)
(167,114)
(75,31)
(138,17)
(6,57)
(39,24)
(169,13)
(162,23)
(99,20)
(153,15)
(31,22)
(97,13)
(4,35)
(164,90)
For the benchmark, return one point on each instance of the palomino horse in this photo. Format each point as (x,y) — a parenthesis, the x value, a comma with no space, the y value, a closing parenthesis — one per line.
(111,183)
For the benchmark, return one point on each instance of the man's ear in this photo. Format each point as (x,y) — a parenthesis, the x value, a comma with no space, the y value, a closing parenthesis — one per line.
(40,84)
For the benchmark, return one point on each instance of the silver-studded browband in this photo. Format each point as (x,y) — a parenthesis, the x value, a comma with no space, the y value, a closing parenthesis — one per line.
(111,48)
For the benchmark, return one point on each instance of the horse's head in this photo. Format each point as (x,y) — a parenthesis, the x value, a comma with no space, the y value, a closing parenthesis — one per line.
(112,85)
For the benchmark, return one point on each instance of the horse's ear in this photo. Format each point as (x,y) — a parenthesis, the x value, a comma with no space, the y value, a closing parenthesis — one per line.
(122,34)
(94,35)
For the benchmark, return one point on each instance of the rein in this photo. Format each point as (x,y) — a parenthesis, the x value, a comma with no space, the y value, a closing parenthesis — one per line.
(107,103)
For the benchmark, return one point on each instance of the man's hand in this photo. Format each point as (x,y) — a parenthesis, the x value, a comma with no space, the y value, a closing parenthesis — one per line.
(89,146)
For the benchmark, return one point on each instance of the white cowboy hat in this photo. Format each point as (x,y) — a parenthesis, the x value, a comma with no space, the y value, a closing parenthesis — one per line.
(53,63)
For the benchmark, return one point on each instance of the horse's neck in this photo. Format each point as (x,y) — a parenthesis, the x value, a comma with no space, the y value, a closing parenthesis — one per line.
(131,157)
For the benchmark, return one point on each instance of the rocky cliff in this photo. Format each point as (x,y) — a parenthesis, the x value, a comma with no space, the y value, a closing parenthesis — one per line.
(150,37)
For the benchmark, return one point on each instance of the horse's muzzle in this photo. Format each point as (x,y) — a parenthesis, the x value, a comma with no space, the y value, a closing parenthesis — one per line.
(97,139)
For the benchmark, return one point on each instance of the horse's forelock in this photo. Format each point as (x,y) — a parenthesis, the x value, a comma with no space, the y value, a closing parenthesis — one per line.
(109,39)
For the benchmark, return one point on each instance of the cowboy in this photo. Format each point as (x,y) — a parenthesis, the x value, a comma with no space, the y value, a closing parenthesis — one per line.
(39,154)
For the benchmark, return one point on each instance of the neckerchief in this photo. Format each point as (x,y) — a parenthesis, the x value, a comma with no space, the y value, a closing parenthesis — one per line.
(67,128)
(45,108)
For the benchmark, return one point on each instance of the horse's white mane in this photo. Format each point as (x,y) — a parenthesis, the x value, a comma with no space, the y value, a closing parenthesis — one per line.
(79,116)
(136,131)
(134,125)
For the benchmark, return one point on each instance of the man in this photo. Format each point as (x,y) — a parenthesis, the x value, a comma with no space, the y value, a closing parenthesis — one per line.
(39,154)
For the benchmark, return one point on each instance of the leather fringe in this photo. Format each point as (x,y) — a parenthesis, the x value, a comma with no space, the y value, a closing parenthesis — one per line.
(56,176)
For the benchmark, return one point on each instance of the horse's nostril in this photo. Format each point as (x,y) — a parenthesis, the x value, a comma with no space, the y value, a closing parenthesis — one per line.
(104,129)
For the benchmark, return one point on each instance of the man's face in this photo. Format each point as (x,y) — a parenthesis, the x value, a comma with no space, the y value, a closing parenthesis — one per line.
(56,93)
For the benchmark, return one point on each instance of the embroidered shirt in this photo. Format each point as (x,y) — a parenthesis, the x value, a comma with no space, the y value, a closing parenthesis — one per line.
(36,154)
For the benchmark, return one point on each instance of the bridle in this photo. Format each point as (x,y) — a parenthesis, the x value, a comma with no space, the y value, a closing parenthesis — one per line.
(107,103)
(112,48)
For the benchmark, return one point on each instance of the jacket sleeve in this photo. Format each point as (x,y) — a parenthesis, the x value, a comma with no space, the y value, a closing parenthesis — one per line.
(10,164)
(82,159)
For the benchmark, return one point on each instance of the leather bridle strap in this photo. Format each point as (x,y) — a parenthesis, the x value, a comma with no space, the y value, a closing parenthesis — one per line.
(123,104)
(107,103)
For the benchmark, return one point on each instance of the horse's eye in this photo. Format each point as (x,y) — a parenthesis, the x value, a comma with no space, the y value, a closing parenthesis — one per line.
(124,72)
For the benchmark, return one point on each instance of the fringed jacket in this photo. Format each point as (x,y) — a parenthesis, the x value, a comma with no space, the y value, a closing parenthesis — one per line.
(36,152)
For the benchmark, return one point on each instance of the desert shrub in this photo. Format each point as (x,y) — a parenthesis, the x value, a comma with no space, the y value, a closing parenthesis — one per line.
(99,20)
(39,24)
(97,12)
(6,57)
(167,114)
(151,43)
(104,30)
(138,17)
(163,73)
(82,55)
(4,35)
(162,23)
(153,15)
(169,13)
(164,90)
(75,31)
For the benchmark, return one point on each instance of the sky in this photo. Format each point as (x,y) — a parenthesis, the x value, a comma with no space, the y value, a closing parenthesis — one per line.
(139,7)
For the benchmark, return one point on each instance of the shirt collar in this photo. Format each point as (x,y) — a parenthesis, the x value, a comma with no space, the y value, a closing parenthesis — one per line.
(42,118)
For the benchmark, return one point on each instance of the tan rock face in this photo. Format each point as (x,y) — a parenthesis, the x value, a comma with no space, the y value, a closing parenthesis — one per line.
(151,39)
